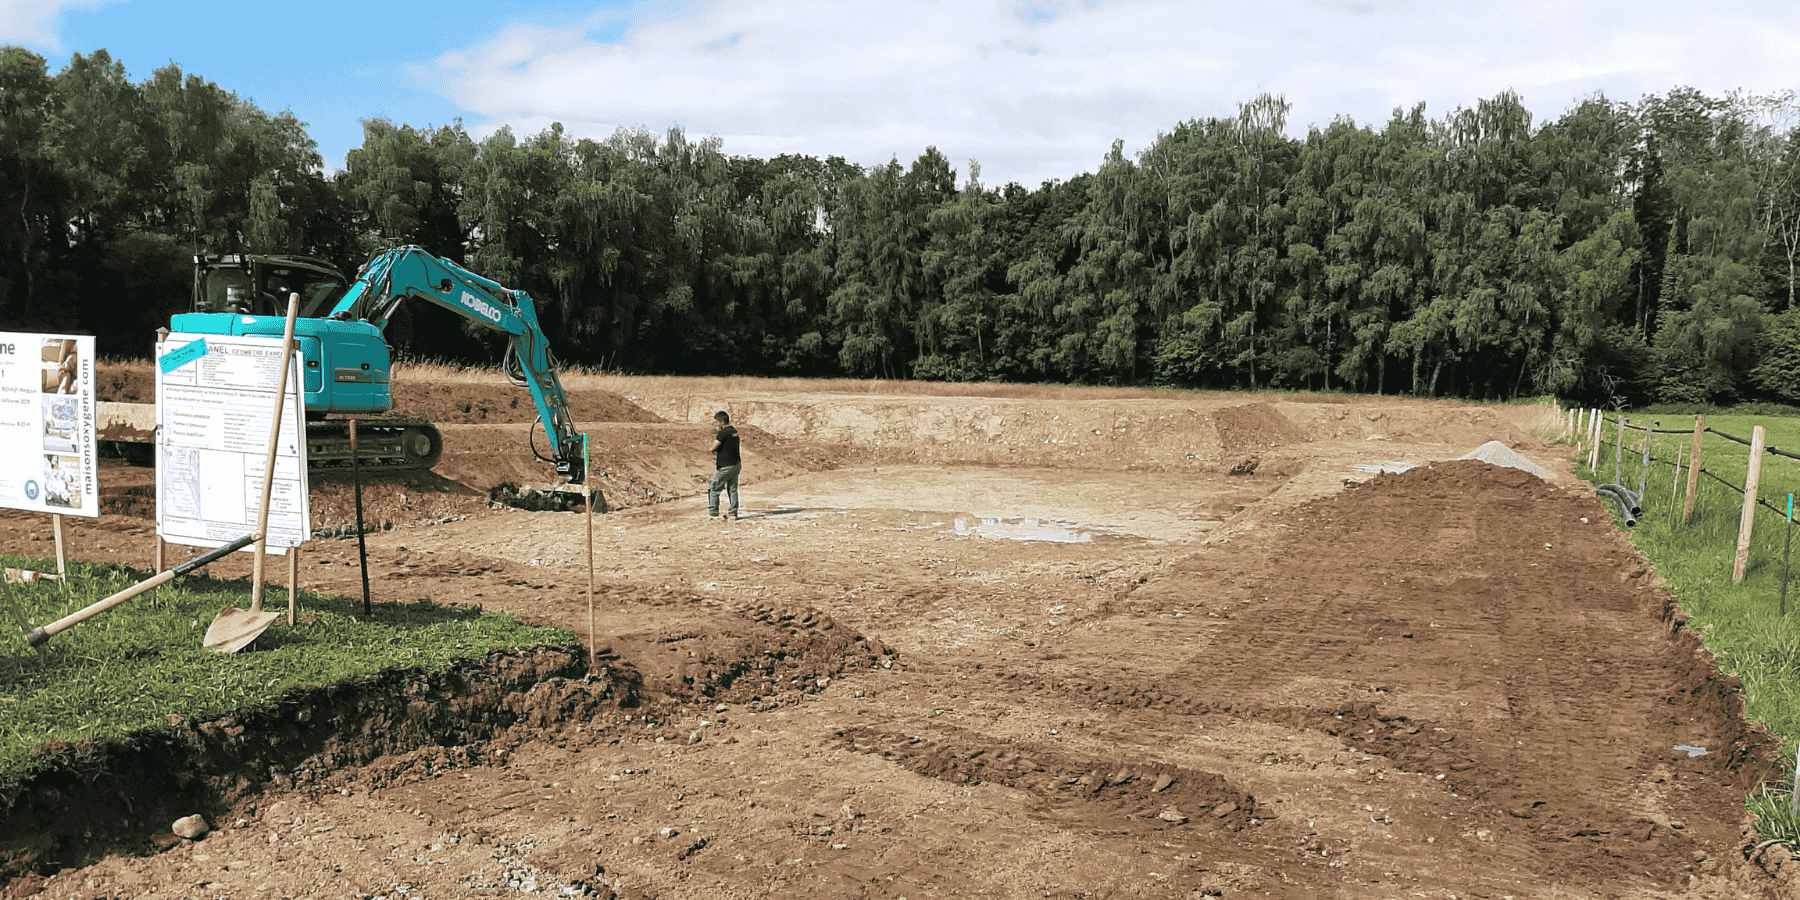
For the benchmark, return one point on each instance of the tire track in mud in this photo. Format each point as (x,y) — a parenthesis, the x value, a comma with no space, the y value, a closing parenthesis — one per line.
(1068,788)
(1542,772)
(1522,714)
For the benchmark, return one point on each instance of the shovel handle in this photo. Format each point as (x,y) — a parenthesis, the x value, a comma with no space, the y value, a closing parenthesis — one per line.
(37,636)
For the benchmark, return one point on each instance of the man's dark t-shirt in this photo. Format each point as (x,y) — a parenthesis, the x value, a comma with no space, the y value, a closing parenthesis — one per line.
(727,454)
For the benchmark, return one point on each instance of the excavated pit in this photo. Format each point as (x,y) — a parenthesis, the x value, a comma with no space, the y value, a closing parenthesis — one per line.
(1356,668)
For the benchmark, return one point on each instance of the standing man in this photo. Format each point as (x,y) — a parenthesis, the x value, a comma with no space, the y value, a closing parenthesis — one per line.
(726,465)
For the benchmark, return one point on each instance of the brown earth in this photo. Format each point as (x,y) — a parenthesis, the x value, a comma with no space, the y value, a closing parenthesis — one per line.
(972,646)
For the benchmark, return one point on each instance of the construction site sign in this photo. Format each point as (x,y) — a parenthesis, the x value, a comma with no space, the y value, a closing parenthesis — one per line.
(47,449)
(215,400)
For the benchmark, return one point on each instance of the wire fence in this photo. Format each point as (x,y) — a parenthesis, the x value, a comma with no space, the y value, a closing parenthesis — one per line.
(1705,469)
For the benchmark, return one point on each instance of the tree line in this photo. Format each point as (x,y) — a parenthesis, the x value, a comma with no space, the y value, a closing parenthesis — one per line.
(1623,253)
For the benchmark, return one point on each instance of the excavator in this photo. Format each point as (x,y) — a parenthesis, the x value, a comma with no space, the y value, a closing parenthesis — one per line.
(345,360)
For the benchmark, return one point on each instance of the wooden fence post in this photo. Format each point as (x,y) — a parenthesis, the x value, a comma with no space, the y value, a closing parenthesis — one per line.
(1687,505)
(1748,518)
(1644,467)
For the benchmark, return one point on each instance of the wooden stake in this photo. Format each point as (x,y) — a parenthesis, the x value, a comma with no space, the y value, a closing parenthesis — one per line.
(1748,518)
(1794,795)
(293,584)
(159,552)
(1594,444)
(1687,505)
(62,558)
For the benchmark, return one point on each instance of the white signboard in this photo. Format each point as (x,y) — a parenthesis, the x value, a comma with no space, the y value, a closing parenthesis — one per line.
(47,458)
(215,399)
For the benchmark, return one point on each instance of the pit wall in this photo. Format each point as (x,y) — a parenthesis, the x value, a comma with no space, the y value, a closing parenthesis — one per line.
(1103,434)
(95,798)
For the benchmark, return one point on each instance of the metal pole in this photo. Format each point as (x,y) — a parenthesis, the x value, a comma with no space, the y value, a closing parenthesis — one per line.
(1619,451)
(1786,545)
(362,546)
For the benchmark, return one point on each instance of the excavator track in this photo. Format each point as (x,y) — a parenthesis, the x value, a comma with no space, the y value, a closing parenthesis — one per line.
(382,444)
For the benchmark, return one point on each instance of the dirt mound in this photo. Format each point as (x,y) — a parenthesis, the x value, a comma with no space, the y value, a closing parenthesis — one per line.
(1256,426)
(500,403)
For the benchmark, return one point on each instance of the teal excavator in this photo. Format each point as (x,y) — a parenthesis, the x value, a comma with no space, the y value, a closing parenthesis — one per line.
(345,360)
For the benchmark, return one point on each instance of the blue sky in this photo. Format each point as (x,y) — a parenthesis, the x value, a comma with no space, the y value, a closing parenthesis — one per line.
(1033,89)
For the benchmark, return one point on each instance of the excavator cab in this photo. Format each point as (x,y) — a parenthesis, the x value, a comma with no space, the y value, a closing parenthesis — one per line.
(259,285)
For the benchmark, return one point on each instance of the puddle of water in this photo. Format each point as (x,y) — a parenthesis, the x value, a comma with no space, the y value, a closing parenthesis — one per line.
(1027,528)
(1015,528)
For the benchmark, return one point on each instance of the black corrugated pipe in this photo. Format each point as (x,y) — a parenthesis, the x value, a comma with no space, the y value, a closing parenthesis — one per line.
(1630,497)
(1627,510)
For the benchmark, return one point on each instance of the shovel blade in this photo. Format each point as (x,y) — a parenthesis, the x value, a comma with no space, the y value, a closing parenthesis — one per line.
(233,629)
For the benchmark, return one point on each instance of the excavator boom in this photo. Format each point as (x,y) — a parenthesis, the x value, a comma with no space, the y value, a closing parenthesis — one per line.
(403,273)
(346,358)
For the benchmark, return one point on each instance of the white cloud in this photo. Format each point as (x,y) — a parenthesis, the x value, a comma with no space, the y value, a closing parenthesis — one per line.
(1039,90)
(33,22)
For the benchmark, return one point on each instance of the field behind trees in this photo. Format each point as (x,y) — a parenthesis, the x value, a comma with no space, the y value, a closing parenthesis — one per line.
(1622,253)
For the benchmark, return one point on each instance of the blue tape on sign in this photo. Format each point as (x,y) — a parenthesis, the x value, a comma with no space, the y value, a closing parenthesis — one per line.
(181,356)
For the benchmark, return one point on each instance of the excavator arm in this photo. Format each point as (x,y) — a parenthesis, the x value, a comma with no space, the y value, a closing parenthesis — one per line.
(394,276)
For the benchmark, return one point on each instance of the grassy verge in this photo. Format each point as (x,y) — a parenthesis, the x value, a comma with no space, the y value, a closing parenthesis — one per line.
(134,666)
(1752,626)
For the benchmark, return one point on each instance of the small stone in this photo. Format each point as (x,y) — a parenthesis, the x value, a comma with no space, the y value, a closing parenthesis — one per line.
(192,828)
(1173,815)
(1162,784)
(1224,809)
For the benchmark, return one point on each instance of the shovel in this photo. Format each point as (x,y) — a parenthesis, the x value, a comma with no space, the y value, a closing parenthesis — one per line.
(37,636)
(233,629)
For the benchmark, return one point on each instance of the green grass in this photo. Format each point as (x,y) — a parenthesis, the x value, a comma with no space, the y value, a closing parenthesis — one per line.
(1743,624)
(133,666)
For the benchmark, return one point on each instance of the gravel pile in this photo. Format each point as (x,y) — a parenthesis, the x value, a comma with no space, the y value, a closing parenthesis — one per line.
(1496,453)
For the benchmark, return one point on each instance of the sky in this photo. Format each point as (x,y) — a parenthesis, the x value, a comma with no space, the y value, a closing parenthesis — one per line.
(1032,89)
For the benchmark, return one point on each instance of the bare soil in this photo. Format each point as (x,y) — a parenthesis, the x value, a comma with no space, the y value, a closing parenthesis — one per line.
(971,646)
